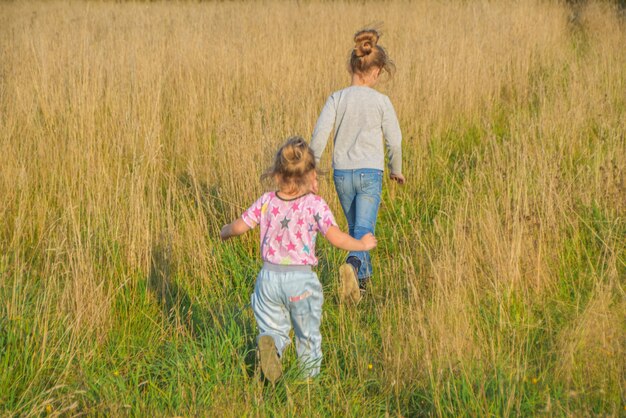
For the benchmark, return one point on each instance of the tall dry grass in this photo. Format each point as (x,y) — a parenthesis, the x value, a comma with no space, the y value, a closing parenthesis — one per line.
(129,133)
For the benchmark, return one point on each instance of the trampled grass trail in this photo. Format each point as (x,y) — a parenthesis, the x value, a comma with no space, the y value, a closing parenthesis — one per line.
(130,132)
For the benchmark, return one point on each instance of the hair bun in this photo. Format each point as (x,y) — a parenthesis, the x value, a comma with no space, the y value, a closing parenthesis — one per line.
(293,150)
(364,41)
(292,164)
(292,154)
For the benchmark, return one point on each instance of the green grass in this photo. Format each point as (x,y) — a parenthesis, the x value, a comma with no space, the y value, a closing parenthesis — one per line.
(500,270)
(180,343)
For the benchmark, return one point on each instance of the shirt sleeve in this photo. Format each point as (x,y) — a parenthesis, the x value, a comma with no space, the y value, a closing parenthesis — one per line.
(323,216)
(393,137)
(252,215)
(324,125)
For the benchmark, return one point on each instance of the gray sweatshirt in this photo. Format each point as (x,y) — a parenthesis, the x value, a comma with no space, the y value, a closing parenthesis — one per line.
(362,117)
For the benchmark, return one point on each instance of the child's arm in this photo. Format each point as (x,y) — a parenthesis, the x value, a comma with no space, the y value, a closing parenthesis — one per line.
(345,242)
(322,129)
(393,141)
(234,229)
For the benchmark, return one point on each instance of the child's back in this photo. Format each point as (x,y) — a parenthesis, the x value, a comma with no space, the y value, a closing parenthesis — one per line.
(362,117)
(289,227)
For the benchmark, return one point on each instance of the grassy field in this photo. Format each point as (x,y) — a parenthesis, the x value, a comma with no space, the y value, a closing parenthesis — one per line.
(129,133)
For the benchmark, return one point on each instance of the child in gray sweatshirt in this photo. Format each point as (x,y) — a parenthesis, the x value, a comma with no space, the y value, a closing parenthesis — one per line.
(363,122)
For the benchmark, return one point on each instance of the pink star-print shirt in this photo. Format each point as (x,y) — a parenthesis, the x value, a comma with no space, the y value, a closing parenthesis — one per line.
(289,227)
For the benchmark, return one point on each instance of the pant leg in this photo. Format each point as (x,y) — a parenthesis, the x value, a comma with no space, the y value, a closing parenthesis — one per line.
(344,186)
(305,307)
(368,185)
(270,312)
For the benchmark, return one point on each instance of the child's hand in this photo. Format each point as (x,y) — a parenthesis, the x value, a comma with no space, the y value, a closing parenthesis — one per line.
(368,241)
(234,229)
(398,178)
(224,232)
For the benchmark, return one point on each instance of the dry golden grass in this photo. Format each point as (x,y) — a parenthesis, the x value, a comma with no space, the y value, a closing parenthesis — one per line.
(129,133)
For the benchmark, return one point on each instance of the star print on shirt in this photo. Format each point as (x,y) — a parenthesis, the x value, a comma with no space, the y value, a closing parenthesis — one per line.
(289,230)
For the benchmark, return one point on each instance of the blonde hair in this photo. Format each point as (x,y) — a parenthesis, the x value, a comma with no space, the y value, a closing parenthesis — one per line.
(293,162)
(367,54)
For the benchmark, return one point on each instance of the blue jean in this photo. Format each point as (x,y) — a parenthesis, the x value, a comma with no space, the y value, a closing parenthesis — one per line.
(359,193)
(291,295)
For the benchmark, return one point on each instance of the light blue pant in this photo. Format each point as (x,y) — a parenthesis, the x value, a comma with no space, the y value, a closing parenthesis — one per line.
(291,295)
(359,193)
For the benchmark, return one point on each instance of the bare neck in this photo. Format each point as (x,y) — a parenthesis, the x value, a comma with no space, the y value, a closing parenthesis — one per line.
(357,80)
(364,80)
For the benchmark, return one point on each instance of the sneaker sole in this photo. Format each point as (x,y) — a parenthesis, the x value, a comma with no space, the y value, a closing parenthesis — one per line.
(270,363)
(349,285)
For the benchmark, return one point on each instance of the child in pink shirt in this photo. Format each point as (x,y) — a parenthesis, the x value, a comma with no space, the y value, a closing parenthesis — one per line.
(287,291)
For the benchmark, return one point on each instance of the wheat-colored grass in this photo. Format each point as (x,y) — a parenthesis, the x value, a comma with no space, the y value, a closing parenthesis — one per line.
(130,132)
